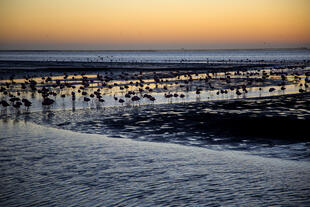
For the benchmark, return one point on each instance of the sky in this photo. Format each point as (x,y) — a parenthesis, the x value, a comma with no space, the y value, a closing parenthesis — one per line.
(153,24)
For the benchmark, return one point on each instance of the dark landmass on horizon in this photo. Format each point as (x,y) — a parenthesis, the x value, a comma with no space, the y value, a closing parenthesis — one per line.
(153,50)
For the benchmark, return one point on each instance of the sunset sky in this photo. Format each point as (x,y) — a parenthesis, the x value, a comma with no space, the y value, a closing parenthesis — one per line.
(153,24)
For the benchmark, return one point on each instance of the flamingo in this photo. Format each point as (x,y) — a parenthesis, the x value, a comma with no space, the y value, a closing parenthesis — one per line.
(4,103)
(271,89)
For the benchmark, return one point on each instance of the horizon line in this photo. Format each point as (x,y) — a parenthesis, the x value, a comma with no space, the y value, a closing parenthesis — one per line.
(151,50)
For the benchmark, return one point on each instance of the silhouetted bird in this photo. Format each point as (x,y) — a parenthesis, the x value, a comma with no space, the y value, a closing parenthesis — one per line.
(4,103)
(47,101)
(26,102)
(271,89)
(121,101)
(86,99)
(17,104)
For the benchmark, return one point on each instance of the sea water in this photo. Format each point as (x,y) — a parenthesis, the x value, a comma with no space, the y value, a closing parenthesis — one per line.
(158,56)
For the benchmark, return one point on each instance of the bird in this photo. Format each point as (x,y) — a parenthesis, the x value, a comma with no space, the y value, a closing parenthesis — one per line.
(4,103)
(17,104)
(47,101)
(198,91)
(301,90)
(86,99)
(135,98)
(271,89)
(26,102)
(121,101)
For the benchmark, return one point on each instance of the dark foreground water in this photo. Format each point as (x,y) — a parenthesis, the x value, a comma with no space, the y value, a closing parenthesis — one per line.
(275,127)
(43,166)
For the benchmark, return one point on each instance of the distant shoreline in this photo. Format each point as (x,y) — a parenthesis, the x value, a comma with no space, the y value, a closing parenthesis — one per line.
(159,50)
(13,65)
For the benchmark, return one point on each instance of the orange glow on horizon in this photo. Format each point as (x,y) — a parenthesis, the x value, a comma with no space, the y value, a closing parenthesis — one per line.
(154,21)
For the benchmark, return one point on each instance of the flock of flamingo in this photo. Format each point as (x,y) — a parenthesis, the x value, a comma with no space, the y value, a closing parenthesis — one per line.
(137,85)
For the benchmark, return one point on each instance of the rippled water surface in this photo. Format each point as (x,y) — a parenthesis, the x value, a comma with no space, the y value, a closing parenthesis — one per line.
(50,167)
(241,125)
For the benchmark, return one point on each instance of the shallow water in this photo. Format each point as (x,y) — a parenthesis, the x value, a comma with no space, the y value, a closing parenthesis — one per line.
(213,120)
(211,90)
(43,166)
